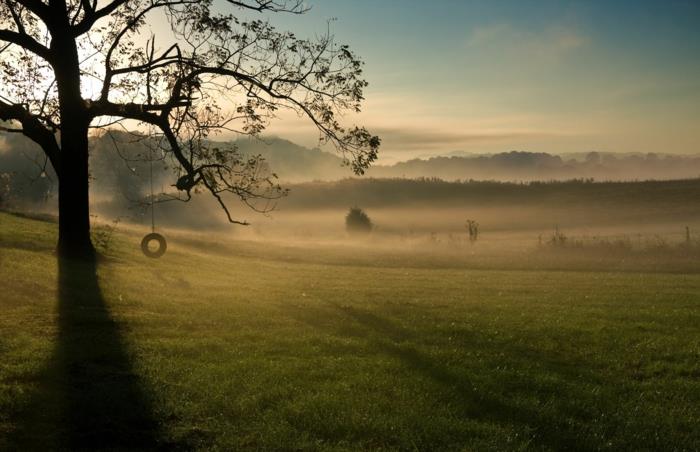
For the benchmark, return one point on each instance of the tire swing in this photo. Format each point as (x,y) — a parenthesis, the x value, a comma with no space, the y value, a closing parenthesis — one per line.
(162,245)
(153,235)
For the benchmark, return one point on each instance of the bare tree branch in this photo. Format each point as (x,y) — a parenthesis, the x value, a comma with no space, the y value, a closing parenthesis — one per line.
(32,128)
(25,41)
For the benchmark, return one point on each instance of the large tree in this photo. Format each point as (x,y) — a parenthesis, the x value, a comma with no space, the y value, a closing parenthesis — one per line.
(177,71)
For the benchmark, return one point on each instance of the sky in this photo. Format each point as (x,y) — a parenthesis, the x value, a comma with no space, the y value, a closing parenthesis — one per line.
(484,76)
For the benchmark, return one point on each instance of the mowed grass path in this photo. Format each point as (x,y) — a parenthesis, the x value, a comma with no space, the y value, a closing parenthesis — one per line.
(212,351)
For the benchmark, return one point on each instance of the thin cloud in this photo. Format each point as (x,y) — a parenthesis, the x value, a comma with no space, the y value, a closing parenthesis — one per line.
(412,140)
(505,39)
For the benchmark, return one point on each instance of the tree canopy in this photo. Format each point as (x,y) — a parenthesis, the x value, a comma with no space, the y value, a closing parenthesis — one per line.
(178,71)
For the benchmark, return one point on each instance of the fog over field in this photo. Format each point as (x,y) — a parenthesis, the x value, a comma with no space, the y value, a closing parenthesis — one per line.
(516,190)
(522,222)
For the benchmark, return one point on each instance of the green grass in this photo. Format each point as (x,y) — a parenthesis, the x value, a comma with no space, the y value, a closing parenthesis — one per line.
(274,349)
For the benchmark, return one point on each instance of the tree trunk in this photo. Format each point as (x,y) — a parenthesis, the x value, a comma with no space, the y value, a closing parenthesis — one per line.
(73,176)
(73,196)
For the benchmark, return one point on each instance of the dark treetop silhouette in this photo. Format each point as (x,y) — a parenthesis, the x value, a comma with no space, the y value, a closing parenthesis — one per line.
(53,52)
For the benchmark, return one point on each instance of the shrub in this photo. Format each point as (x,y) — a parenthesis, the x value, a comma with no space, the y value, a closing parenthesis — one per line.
(473,229)
(5,189)
(558,239)
(102,235)
(357,221)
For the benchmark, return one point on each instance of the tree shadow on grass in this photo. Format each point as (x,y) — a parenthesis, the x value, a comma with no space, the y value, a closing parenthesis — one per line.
(89,396)
(549,431)
(393,340)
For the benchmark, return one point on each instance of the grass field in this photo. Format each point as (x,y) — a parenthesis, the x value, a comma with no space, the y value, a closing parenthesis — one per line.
(247,345)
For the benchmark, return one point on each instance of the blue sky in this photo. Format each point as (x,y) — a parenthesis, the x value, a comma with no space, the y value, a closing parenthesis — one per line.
(497,75)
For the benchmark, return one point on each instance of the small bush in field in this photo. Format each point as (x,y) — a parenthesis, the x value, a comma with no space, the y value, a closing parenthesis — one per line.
(5,189)
(558,239)
(102,235)
(357,221)
(473,229)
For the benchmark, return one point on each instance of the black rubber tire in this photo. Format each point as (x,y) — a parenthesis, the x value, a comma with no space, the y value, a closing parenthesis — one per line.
(162,245)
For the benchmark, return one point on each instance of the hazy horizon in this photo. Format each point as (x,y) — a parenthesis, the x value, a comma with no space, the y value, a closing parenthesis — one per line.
(406,156)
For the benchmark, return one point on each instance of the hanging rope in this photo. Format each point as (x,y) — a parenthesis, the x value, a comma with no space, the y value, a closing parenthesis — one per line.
(153,212)
(162,245)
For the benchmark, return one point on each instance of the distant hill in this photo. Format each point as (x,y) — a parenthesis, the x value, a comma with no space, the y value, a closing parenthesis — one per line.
(294,163)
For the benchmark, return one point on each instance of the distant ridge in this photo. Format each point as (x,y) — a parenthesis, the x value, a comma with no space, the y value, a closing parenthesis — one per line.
(295,163)
(292,162)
